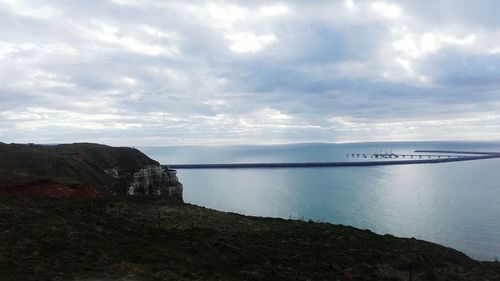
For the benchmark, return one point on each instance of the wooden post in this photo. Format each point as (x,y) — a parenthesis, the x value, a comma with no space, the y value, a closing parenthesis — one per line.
(411,255)
(411,271)
(316,263)
(159,219)
(243,244)
(192,232)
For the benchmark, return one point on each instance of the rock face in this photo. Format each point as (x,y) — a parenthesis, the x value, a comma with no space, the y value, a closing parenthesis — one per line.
(105,169)
(155,180)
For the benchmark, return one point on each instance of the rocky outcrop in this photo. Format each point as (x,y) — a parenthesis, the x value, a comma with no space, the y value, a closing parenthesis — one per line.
(155,180)
(71,167)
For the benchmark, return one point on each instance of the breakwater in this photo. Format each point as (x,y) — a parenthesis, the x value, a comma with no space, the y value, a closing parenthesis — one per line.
(470,156)
(458,152)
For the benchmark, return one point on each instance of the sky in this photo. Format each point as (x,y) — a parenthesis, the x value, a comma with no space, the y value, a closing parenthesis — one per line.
(153,72)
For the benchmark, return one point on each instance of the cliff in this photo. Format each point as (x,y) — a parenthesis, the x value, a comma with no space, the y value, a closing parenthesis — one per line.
(82,170)
(155,180)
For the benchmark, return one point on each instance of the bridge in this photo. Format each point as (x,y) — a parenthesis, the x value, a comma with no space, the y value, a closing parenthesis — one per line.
(430,158)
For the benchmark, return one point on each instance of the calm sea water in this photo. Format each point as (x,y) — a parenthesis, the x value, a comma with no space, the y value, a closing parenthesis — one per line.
(453,204)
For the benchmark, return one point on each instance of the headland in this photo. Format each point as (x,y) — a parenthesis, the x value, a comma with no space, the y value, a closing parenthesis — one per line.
(134,225)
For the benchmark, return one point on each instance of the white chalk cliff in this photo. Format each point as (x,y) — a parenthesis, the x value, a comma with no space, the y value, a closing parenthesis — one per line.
(156,180)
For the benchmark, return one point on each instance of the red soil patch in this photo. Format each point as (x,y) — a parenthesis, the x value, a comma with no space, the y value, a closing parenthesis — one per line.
(52,189)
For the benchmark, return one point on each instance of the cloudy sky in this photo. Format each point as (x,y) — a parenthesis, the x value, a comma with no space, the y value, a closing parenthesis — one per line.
(154,72)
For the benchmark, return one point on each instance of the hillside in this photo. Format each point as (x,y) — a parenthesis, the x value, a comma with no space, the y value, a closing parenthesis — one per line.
(30,169)
(137,238)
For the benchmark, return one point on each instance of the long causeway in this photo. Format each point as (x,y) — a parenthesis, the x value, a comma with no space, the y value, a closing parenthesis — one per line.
(466,156)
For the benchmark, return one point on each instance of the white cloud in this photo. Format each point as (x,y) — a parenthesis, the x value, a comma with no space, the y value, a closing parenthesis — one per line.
(423,129)
(249,42)
(406,64)
(126,2)
(128,81)
(36,118)
(350,4)
(217,104)
(387,10)
(38,79)
(416,45)
(6,49)
(22,8)
(274,10)
(111,34)
(160,34)
(226,15)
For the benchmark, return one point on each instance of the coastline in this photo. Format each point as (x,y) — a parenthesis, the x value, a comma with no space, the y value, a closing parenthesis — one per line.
(154,235)
(431,201)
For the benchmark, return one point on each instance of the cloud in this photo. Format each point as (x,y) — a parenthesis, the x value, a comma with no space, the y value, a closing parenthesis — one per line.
(274,10)
(26,9)
(164,72)
(386,10)
(249,42)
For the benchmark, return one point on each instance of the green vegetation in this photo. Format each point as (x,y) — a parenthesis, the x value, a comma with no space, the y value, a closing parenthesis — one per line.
(143,238)
(69,164)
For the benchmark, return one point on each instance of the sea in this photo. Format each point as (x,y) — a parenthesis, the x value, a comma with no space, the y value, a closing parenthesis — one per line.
(454,204)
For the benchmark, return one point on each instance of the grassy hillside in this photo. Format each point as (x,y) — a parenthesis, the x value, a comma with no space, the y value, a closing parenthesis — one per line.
(155,239)
(81,163)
